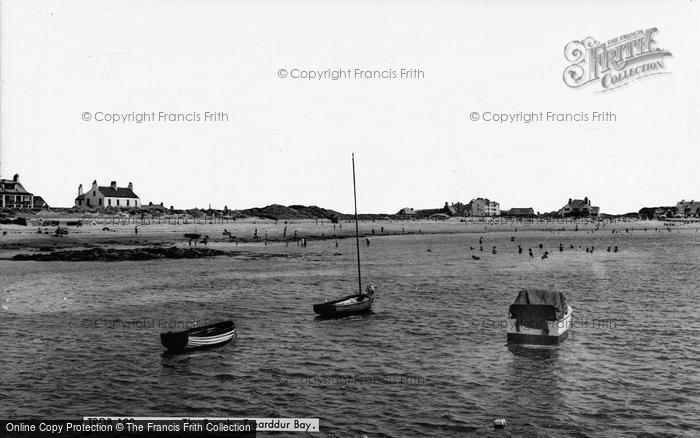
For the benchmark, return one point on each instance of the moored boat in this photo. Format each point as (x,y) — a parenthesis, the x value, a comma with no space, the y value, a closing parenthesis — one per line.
(208,336)
(539,317)
(350,305)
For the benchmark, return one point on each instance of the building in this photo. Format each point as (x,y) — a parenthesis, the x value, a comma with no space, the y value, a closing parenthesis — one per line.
(482,207)
(407,211)
(107,196)
(521,212)
(579,208)
(39,202)
(657,212)
(14,195)
(688,208)
(450,210)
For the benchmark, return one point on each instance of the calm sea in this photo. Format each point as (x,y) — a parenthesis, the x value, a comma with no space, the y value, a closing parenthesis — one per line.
(82,338)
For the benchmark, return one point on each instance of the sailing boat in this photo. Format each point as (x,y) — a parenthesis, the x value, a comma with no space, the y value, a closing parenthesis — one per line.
(352,304)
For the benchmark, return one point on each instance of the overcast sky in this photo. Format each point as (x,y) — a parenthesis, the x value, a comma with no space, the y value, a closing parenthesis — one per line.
(289,141)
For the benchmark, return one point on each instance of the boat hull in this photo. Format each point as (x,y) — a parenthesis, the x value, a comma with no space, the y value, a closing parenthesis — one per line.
(336,308)
(210,336)
(555,331)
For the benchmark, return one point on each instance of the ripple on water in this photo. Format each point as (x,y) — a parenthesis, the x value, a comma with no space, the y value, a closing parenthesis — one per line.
(431,360)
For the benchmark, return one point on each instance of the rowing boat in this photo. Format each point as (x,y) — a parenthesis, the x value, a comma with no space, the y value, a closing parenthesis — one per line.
(208,336)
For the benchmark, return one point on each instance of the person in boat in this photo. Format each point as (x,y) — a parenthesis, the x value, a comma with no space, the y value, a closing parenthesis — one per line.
(368,293)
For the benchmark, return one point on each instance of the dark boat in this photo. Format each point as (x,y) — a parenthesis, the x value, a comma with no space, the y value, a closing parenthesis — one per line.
(352,304)
(539,317)
(212,335)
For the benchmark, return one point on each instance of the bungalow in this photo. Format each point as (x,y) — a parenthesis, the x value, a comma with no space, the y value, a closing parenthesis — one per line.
(482,207)
(521,212)
(107,196)
(14,195)
(688,209)
(579,208)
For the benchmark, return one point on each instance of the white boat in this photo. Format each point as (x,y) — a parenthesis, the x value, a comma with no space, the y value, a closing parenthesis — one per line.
(539,317)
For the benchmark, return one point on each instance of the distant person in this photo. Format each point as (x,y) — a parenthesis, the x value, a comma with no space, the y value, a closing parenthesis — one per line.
(493,251)
(481,240)
(545,255)
(336,243)
(255,234)
(520,249)
(615,250)
(609,249)
(532,256)
(367,241)
(136,230)
(481,248)
(561,248)
(541,246)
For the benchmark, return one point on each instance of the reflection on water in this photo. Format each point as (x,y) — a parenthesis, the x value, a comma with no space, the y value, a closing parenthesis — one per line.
(430,360)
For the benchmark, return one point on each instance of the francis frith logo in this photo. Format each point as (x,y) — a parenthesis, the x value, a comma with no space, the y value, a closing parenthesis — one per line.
(616,62)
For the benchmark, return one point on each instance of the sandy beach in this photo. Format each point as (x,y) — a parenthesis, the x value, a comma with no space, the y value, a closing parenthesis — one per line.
(108,232)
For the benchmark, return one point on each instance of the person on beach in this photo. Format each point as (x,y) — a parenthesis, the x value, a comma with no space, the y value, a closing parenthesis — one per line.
(615,250)
(481,248)
(481,240)
(367,241)
(561,248)
(493,251)
(520,249)
(530,253)
(255,234)
(545,255)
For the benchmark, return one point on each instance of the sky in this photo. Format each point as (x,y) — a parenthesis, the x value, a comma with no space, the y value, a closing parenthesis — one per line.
(289,140)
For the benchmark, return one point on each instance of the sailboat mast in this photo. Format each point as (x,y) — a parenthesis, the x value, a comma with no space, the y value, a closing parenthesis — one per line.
(357,227)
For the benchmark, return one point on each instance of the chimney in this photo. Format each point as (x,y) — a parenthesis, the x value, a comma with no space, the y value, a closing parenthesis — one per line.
(586,201)
(80,189)
(131,186)
(113,185)
(569,200)
(16,178)
(94,185)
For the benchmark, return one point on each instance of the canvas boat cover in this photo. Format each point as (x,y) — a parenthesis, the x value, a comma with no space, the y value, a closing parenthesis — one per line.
(540,298)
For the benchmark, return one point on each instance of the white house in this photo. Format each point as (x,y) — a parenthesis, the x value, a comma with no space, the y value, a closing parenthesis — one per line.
(14,195)
(107,196)
(482,207)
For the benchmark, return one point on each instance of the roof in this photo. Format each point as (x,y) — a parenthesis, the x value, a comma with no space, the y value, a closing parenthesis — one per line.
(527,210)
(538,297)
(577,203)
(119,192)
(17,190)
(39,202)
(406,210)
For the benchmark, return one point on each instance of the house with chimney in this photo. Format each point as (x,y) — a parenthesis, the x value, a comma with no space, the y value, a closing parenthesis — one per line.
(482,207)
(14,195)
(107,196)
(688,208)
(579,208)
